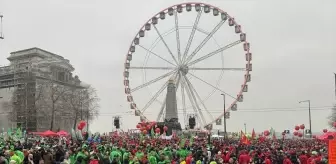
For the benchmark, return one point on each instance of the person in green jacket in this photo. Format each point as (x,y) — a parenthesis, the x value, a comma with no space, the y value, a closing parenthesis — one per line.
(82,156)
(135,161)
(20,154)
(152,157)
(15,158)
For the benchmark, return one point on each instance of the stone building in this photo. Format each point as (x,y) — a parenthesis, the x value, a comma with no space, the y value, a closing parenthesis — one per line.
(32,88)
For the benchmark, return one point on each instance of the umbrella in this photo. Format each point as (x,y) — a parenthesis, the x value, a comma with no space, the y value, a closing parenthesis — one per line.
(62,133)
(49,133)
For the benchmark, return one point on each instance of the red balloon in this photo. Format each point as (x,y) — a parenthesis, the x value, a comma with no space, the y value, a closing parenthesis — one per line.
(325,130)
(300,134)
(153,123)
(79,127)
(144,131)
(157,130)
(297,127)
(82,122)
(165,128)
(149,127)
(296,133)
(266,133)
(302,126)
(334,124)
(138,126)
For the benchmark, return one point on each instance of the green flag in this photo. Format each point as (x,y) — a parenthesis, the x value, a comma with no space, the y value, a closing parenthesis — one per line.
(9,132)
(18,132)
(152,132)
(272,131)
(182,142)
(191,141)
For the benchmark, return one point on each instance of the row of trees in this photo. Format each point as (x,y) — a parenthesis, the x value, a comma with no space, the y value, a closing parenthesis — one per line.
(57,105)
(65,104)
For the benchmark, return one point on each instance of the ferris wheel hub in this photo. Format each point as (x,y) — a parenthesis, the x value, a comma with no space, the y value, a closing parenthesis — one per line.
(183,69)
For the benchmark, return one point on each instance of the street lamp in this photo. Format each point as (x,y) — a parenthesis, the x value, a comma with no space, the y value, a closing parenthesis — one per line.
(225,134)
(245,127)
(308,101)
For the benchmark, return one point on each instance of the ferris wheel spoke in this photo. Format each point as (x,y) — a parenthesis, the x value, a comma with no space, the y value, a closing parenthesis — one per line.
(214,52)
(164,42)
(153,68)
(220,69)
(193,102)
(156,95)
(212,86)
(205,40)
(192,34)
(197,96)
(177,37)
(156,55)
(153,81)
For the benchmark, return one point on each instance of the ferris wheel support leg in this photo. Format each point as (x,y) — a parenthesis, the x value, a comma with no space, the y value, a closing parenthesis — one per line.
(183,102)
(193,101)
(198,97)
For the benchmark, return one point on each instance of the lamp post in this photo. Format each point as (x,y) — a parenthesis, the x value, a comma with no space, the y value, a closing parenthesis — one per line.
(245,127)
(225,134)
(308,101)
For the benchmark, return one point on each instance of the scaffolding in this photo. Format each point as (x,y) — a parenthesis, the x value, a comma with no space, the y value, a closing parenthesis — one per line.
(24,97)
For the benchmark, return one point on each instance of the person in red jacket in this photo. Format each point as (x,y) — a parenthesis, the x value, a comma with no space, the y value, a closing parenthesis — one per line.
(189,158)
(94,160)
(244,158)
(268,160)
(303,158)
(311,159)
(287,160)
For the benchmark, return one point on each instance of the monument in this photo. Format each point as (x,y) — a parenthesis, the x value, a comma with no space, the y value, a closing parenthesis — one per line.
(171,115)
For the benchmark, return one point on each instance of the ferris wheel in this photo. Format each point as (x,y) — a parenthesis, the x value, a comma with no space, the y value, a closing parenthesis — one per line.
(199,47)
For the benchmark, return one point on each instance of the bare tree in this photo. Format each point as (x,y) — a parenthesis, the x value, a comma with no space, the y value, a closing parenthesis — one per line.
(83,103)
(51,102)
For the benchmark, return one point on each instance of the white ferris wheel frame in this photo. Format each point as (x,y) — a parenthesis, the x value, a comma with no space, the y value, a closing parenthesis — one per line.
(187,60)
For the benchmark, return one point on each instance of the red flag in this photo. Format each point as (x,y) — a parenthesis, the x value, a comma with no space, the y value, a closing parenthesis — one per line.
(253,134)
(244,139)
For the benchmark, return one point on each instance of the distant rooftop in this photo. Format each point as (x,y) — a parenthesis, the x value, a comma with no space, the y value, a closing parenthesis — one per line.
(32,50)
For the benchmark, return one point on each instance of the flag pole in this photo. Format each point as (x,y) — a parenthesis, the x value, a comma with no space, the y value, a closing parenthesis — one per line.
(335,84)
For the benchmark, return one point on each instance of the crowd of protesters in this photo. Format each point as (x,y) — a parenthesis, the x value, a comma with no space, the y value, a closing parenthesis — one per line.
(124,149)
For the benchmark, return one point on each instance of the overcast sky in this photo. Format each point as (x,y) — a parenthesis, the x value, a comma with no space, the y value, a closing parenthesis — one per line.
(292,43)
